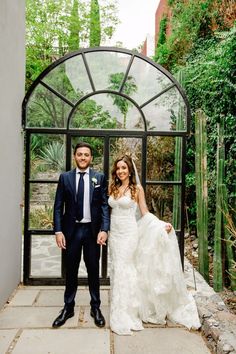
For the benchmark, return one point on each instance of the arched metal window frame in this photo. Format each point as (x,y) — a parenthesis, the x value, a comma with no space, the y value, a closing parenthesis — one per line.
(106,134)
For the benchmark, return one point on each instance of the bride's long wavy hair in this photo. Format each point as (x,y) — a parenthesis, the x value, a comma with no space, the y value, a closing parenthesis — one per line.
(116,182)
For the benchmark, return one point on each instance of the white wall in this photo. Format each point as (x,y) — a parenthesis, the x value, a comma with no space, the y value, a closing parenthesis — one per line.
(12,79)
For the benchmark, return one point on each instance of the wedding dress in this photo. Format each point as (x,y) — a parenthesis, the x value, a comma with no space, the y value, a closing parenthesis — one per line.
(147,281)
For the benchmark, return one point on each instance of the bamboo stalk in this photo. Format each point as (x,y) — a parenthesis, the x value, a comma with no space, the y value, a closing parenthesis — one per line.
(202,192)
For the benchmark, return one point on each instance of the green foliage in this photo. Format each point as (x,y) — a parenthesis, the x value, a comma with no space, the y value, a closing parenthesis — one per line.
(115,82)
(46,24)
(53,155)
(162,35)
(207,59)
(162,32)
(54,27)
(95,26)
(190,21)
(91,115)
(74,27)
(34,148)
(160,166)
(41,218)
(210,85)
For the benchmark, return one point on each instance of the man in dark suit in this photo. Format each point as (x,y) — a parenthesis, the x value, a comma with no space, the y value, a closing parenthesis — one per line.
(81,221)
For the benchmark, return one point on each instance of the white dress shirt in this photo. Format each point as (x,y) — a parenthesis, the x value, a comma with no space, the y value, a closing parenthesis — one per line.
(87,212)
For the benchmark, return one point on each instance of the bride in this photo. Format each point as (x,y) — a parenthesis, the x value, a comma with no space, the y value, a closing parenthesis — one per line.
(147,282)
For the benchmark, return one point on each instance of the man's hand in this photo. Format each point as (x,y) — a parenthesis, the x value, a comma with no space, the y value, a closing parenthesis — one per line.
(102,237)
(168,227)
(60,240)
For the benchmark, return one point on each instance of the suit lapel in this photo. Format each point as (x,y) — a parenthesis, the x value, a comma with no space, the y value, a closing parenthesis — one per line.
(91,185)
(72,182)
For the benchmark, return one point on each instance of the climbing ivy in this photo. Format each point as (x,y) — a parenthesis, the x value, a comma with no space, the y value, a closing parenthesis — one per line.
(190,21)
(202,45)
(210,85)
(162,35)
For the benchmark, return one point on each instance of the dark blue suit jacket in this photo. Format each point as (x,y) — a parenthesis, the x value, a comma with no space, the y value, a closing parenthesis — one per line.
(65,203)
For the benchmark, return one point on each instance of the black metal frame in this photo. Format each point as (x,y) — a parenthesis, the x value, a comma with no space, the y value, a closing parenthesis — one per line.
(106,134)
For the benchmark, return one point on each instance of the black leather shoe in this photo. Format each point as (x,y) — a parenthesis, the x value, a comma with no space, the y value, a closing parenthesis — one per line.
(61,319)
(99,320)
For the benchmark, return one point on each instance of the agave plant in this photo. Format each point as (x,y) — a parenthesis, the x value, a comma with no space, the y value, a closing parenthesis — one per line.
(53,155)
(42,218)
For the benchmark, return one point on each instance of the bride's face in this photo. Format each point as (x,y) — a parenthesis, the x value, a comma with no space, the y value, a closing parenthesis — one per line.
(122,171)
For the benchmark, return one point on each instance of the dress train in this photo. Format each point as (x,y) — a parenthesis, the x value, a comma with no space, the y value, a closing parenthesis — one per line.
(160,277)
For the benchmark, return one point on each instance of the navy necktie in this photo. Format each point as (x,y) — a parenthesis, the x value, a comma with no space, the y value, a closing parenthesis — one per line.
(80,197)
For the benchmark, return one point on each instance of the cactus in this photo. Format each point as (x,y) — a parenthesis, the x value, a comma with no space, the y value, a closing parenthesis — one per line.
(228,238)
(202,192)
(177,165)
(217,259)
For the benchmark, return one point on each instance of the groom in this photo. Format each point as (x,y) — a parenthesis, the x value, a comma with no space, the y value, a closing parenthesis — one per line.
(81,221)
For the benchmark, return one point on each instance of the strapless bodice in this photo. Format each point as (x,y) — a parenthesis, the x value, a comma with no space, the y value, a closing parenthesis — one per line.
(122,206)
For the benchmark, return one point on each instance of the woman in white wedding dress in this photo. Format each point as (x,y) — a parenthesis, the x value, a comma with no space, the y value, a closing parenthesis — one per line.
(147,282)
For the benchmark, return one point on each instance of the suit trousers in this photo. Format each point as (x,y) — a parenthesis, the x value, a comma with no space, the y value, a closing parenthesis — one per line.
(82,239)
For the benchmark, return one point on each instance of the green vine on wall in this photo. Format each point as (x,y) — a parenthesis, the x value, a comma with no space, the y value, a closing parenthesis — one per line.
(189,21)
(162,35)
(202,45)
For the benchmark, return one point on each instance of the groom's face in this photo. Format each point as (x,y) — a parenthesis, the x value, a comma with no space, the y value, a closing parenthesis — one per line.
(83,158)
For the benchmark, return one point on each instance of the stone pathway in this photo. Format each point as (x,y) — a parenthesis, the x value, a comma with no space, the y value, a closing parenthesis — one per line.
(25,322)
(25,328)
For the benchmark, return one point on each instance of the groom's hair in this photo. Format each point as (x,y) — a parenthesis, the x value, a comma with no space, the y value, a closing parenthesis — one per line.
(83,144)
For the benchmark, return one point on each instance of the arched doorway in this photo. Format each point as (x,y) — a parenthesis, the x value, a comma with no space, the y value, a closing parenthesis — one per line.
(119,101)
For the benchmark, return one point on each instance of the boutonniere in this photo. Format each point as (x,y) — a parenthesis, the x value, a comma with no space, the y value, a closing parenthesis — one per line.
(94,181)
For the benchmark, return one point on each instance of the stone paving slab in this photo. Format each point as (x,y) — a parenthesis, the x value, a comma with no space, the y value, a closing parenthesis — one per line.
(161,341)
(24,297)
(26,326)
(6,337)
(62,341)
(33,317)
(55,298)
(44,287)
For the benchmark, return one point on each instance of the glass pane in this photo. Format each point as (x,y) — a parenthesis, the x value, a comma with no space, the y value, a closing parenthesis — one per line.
(165,203)
(47,156)
(104,65)
(98,151)
(167,113)
(70,79)
(41,205)
(45,109)
(45,257)
(149,81)
(107,111)
(164,158)
(121,146)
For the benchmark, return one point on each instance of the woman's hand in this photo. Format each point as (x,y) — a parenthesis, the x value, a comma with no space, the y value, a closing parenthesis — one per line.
(168,227)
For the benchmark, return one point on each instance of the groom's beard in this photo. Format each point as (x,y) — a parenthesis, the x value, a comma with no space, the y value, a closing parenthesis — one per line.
(83,165)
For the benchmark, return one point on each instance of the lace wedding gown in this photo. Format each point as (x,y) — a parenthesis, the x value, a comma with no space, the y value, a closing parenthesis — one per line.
(147,281)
